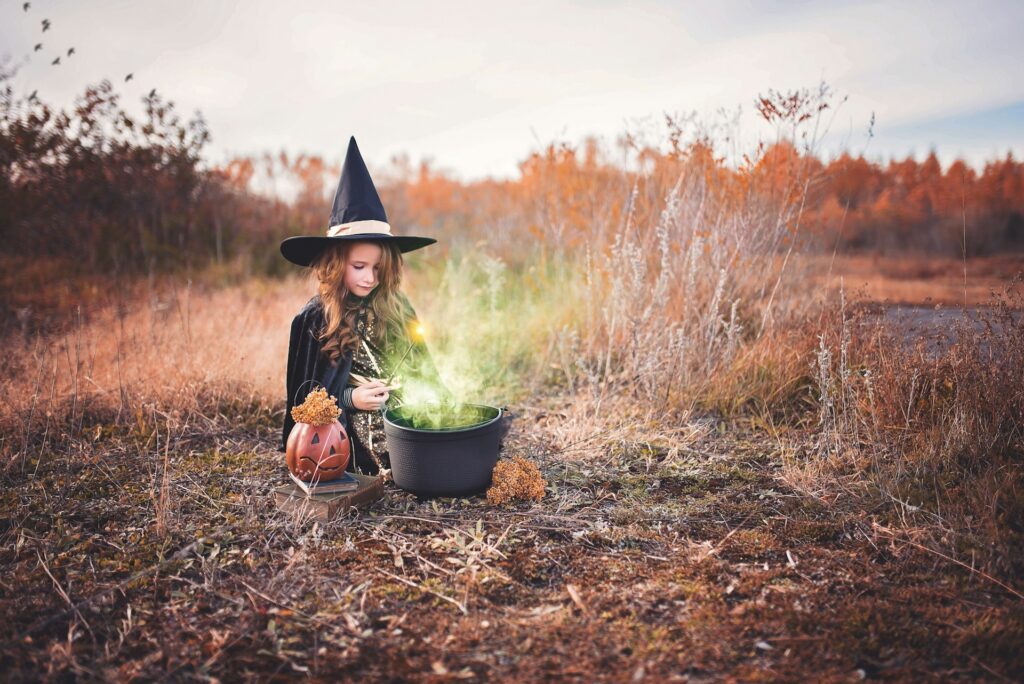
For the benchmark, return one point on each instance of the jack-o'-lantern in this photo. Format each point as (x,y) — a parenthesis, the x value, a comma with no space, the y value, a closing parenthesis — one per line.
(318,447)
(317,452)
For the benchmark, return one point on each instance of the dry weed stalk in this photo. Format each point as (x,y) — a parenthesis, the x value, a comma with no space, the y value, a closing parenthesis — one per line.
(933,425)
(163,513)
(683,292)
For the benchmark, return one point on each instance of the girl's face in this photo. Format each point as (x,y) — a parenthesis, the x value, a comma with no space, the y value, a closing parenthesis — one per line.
(361,268)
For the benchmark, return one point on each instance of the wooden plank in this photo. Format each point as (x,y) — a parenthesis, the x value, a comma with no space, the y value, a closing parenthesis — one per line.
(326,507)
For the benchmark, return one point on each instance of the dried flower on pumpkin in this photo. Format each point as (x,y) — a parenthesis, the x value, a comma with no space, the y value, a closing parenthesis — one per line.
(515,479)
(317,409)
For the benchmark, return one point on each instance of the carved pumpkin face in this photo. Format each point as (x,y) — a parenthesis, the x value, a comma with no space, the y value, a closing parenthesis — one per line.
(317,452)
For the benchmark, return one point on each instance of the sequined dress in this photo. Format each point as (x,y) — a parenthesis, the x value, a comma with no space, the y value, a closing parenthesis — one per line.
(368,361)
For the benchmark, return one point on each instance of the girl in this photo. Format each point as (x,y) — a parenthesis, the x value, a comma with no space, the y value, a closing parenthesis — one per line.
(357,336)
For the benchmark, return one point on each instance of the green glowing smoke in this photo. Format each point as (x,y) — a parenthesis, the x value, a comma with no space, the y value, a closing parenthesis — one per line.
(488,328)
(441,416)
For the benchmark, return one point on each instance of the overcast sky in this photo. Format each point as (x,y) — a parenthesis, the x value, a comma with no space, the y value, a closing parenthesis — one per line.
(477,85)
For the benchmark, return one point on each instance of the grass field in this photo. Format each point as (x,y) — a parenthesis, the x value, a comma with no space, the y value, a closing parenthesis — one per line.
(154,555)
(724,533)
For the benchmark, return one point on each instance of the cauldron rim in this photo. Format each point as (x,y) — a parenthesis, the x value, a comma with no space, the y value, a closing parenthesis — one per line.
(449,431)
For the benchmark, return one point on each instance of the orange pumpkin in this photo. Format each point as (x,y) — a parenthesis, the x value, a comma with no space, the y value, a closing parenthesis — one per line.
(317,452)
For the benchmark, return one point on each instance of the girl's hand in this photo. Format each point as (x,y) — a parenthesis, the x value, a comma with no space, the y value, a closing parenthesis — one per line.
(372,396)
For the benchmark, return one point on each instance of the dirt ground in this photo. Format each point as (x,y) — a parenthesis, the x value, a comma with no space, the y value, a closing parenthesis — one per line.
(912,279)
(128,556)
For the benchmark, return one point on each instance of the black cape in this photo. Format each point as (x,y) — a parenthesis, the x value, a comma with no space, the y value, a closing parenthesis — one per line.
(309,368)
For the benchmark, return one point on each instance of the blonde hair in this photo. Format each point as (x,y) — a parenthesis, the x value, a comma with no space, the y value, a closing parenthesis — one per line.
(339,334)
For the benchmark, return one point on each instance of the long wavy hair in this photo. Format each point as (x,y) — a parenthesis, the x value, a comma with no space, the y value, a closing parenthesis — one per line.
(340,309)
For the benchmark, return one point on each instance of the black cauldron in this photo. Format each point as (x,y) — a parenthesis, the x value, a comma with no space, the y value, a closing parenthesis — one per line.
(432,461)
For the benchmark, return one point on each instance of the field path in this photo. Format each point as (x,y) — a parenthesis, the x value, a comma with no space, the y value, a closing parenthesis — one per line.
(939,327)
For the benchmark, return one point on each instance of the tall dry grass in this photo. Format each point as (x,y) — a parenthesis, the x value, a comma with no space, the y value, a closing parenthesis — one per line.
(931,425)
(186,353)
(643,291)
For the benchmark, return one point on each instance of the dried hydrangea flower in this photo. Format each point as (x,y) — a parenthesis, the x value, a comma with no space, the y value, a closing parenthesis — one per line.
(318,409)
(515,479)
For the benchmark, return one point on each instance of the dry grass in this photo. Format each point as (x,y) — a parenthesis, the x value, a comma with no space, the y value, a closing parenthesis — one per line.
(677,327)
(637,561)
(721,444)
(182,352)
(933,424)
(138,485)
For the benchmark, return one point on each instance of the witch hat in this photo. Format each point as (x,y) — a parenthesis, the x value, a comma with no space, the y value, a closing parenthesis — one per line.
(357,214)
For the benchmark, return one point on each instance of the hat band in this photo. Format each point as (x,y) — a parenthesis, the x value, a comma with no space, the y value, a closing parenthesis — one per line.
(359,228)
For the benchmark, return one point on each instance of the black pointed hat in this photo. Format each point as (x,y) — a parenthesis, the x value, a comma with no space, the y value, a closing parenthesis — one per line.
(357,214)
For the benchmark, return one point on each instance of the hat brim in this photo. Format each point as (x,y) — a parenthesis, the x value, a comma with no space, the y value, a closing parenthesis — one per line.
(303,249)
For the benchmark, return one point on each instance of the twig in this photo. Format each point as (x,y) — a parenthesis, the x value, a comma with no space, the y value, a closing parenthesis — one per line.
(394,371)
(724,539)
(373,359)
(988,669)
(574,594)
(295,611)
(984,574)
(403,580)
(179,555)
(60,590)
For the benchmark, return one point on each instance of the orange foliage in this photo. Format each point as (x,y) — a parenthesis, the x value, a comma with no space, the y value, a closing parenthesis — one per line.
(568,198)
(141,201)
